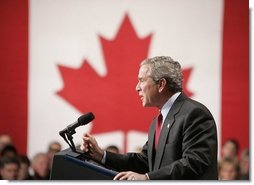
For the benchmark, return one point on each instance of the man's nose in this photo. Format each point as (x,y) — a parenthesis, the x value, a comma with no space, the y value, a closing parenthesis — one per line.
(138,87)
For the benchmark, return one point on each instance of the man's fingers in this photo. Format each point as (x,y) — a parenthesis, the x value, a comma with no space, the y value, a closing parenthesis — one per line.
(85,143)
(89,135)
(119,175)
(90,145)
(124,176)
(131,177)
(88,138)
(85,138)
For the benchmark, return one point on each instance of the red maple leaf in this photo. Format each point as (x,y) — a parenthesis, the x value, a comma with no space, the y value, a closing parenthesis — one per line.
(112,98)
(186,75)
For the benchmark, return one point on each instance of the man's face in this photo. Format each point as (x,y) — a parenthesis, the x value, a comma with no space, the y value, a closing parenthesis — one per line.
(147,89)
(228,172)
(10,171)
(5,140)
(41,166)
(229,150)
(23,171)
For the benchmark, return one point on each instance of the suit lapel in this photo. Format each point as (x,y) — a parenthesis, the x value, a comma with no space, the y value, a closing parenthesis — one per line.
(168,123)
(150,145)
(162,140)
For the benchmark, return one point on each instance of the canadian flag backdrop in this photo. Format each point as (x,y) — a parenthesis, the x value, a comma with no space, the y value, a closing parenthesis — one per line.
(60,59)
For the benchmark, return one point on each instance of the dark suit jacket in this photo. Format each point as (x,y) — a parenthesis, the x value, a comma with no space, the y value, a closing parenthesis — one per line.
(187,146)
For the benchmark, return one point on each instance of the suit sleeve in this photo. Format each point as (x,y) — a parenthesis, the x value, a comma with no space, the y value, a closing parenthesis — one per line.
(199,147)
(136,162)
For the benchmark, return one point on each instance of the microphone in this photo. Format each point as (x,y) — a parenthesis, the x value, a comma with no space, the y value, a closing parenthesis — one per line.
(82,120)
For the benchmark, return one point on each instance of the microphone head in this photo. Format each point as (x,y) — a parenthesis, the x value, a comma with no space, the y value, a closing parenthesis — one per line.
(86,118)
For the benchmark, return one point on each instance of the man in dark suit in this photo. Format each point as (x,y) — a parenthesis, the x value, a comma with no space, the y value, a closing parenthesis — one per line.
(182,140)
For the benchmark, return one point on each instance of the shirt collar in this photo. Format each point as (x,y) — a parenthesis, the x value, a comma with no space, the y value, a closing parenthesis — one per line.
(167,106)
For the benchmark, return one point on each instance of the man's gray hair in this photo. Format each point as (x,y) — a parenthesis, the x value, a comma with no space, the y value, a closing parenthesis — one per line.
(165,67)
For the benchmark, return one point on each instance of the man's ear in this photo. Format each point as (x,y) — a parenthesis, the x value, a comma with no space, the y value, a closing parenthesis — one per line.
(162,84)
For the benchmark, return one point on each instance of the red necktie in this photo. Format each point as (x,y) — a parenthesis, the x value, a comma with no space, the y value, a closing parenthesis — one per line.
(158,130)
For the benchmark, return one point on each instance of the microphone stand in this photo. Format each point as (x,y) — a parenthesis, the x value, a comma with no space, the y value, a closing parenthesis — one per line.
(69,132)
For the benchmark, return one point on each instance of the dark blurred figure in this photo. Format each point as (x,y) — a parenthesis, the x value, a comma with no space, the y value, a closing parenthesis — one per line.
(5,139)
(228,169)
(244,165)
(41,166)
(9,150)
(9,168)
(53,148)
(230,149)
(113,149)
(24,168)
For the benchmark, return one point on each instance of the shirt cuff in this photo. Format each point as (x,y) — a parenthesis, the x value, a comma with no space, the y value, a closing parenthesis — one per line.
(103,161)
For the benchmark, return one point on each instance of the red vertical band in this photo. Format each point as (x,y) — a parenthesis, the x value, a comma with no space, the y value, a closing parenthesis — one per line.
(235,72)
(14,70)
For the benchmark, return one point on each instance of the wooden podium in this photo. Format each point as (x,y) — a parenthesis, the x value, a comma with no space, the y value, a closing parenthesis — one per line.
(69,165)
